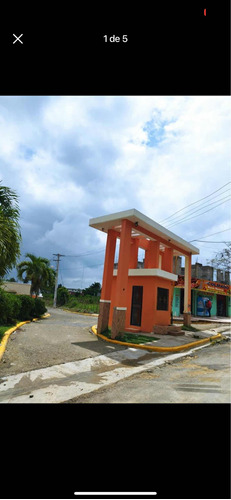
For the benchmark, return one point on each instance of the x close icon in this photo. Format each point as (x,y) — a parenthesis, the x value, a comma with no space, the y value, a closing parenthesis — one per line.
(18,38)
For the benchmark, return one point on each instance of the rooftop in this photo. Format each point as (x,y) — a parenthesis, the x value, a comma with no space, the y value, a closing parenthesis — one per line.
(17,288)
(151,229)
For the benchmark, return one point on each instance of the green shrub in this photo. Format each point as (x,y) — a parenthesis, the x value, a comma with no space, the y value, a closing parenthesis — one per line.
(62,296)
(13,308)
(72,301)
(27,309)
(40,307)
(9,307)
(3,308)
(19,307)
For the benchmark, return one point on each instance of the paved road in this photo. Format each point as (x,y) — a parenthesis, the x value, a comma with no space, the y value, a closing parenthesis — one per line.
(202,377)
(58,360)
(59,339)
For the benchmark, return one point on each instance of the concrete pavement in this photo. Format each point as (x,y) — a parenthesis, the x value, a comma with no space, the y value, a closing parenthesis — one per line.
(202,376)
(61,338)
(91,363)
(65,381)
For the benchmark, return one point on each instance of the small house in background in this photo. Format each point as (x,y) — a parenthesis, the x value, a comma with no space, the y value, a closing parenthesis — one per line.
(132,298)
(16,288)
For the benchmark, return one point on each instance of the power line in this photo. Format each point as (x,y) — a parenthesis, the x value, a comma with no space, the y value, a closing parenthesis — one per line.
(193,217)
(195,202)
(79,268)
(197,210)
(213,234)
(204,205)
(85,254)
(201,241)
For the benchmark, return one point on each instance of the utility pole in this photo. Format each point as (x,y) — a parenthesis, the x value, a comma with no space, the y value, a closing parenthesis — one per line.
(58,255)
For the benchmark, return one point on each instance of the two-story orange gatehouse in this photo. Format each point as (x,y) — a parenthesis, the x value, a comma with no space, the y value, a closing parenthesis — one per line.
(138,299)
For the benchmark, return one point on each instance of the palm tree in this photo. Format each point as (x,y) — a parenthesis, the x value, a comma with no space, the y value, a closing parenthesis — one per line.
(38,271)
(10,235)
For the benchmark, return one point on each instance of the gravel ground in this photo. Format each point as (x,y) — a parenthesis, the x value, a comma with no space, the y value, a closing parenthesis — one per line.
(61,338)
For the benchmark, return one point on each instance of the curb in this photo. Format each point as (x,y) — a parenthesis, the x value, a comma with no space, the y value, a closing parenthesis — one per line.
(44,316)
(157,349)
(13,329)
(83,314)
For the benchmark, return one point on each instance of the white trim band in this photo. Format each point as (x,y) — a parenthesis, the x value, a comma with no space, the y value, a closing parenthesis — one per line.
(106,301)
(121,308)
(160,273)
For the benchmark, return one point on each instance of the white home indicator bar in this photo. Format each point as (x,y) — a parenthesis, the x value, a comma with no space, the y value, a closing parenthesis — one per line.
(115,493)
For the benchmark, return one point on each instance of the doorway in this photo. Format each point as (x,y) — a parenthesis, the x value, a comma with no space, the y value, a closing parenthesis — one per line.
(136,309)
(221,305)
(182,302)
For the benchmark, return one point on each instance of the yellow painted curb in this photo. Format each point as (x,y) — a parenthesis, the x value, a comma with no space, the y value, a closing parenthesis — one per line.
(13,329)
(42,317)
(157,349)
(6,336)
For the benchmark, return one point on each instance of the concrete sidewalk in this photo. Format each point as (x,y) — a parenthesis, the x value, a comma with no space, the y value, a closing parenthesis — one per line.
(65,381)
(212,319)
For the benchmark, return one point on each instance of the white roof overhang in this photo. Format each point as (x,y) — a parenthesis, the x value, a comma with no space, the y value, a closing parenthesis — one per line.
(141,221)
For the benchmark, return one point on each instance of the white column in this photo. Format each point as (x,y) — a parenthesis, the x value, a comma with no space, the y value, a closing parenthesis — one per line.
(187,291)
(186,282)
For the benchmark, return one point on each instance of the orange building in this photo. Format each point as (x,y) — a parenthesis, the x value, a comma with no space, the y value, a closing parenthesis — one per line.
(137,299)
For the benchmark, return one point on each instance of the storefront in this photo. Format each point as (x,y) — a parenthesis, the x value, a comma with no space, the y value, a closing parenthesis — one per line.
(202,291)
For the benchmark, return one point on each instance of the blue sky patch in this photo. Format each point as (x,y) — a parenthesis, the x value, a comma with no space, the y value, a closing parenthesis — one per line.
(156,131)
(26,152)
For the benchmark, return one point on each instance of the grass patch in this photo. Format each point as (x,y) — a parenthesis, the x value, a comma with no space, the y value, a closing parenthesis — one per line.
(130,337)
(83,308)
(190,328)
(86,304)
(3,330)
(83,304)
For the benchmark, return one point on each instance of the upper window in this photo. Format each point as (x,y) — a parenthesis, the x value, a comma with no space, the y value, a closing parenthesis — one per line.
(162,299)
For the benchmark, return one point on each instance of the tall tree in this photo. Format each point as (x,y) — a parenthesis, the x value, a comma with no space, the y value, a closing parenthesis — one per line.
(38,271)
(10,235)
(222,259)
(93,289)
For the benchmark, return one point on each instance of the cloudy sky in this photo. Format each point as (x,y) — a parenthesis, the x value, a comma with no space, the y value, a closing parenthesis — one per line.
(71,158)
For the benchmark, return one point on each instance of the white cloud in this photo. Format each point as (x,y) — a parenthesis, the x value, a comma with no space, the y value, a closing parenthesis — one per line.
(71,158)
